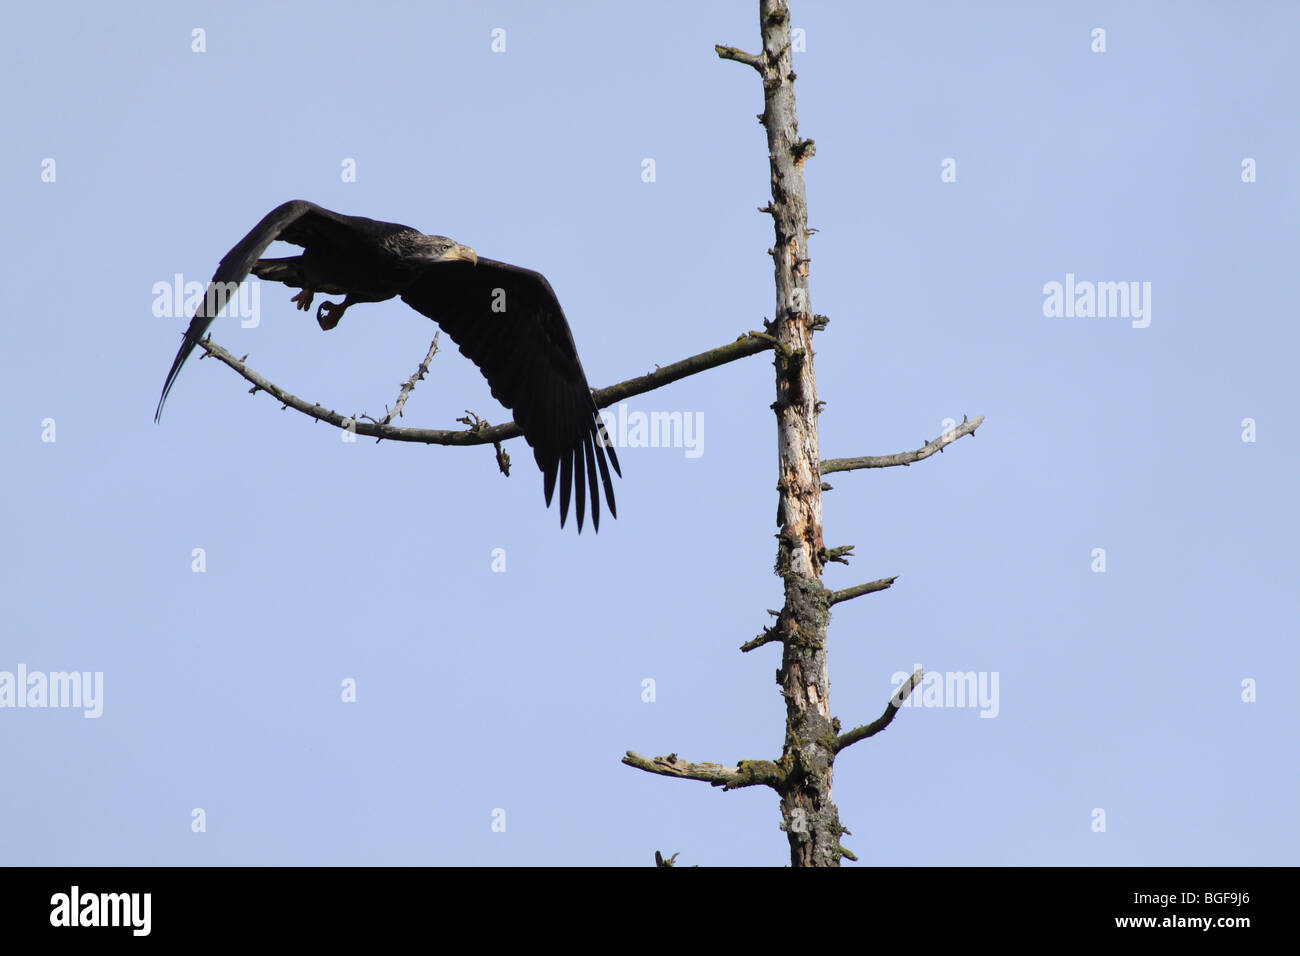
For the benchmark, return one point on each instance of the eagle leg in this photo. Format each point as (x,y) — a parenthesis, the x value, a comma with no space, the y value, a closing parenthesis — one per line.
(304,298)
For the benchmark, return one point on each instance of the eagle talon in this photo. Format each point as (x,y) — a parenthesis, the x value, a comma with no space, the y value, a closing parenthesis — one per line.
(329,314)
(303,299)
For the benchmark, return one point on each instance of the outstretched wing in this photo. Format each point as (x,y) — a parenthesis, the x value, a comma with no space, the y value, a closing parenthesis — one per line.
(299,222)
(508,322)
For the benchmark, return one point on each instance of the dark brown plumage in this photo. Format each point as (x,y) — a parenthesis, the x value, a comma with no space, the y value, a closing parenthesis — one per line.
(505,319)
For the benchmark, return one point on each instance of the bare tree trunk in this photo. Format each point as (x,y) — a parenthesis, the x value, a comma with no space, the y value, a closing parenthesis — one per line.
(802,775)
(812,823)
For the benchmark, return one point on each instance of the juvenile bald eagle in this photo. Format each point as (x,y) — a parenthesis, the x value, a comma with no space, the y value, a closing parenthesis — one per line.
(506,320)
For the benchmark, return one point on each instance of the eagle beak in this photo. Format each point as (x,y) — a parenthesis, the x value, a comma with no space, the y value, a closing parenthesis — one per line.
(463,253)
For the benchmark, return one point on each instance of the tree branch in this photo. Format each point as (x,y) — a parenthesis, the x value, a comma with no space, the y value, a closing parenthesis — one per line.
(848,594)
(771,634)
(740,56)
(967,427)
(881,722)
(477,424)
(409,385)
(748,773)
(744,346)
(767,637)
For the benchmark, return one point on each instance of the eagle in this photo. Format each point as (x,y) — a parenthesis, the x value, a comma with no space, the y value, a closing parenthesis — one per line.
(505,319)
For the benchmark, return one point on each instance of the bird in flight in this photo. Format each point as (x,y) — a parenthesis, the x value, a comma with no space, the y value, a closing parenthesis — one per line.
(505,319)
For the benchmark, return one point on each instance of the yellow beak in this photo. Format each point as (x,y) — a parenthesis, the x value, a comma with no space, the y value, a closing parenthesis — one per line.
(464,253)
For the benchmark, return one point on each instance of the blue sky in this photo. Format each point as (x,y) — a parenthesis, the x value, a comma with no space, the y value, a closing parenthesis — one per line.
(479,691)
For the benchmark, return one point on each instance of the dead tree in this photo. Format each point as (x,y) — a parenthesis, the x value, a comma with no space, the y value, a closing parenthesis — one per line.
(802,774)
